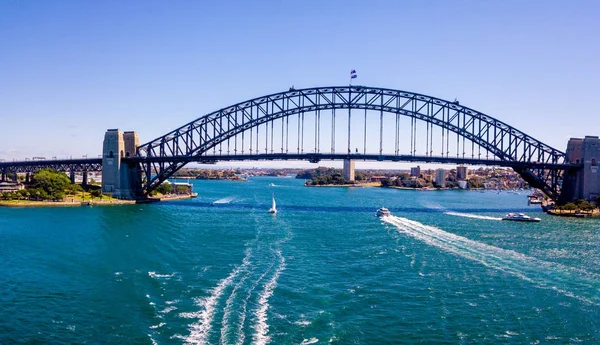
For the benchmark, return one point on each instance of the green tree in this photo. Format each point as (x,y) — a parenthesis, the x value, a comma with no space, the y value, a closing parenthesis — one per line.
(164,188)
(96,193)
(585,205)
(51,182)
(570,206)
(73,189)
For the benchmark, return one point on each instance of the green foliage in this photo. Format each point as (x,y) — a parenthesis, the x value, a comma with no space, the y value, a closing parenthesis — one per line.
(474,183)
(570,206)
(73,189)
(51,182)
(38,194)
(585,205)
(164,188)
(96,193)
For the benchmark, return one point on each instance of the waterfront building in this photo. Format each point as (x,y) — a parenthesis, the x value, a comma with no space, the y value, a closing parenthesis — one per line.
(10,187)
(440,177)
(415,171)
(461,172)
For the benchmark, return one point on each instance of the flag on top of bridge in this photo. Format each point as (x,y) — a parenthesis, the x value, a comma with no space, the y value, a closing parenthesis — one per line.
(353,74)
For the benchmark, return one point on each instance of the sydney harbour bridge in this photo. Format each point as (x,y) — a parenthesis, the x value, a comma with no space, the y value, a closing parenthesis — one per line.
(351,123)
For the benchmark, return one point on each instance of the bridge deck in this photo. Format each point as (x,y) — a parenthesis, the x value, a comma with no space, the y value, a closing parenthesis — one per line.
(311,157)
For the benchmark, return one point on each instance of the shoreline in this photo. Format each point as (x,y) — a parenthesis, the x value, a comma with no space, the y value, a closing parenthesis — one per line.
(370,184)
(79,203)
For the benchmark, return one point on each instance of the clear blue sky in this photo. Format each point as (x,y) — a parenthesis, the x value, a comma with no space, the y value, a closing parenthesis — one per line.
(71,69)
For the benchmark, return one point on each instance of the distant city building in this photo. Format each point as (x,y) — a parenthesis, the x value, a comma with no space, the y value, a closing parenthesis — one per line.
(416,171)
(461,173)
(462,184)
(10,187)
(440,177)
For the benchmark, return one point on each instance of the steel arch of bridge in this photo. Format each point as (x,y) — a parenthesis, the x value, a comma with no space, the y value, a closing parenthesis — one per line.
(509,145)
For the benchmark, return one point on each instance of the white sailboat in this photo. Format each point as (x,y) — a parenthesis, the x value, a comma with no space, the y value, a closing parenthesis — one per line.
(273,208)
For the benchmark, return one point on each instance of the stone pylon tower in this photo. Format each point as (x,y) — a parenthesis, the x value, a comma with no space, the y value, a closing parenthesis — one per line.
(120,178)
(583,183)
(349,169)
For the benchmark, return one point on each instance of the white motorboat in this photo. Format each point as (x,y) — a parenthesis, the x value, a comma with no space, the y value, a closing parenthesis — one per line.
(273,208)
(383,212)
(521,217)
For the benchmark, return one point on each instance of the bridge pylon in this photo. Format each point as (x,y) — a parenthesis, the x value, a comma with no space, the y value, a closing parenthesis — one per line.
(582,183)
(349,169)
(119,177)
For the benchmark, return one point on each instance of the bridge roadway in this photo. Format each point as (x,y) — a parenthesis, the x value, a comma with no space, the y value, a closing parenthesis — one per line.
(77,165)
(317,157)
(95,164)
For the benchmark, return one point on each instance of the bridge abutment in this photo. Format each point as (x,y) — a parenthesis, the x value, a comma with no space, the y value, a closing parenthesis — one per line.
(118,177)
(349,169)
(583,183)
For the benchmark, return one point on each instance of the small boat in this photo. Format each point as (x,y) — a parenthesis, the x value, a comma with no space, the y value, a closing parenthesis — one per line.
(271,184)
(273,208)
(383,212)
(521,217)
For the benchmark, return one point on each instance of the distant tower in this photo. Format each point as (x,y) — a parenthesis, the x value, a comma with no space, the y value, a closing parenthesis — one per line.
(440,177)
(461,172)
(415,171)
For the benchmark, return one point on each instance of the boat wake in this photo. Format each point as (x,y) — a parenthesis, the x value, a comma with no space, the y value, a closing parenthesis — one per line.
(262,327)
(470,215)
(243,295)
(568,281)
(226,200)
(200,331)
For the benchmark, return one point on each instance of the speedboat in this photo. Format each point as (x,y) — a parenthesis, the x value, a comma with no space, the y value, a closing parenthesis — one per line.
(383,212)
(521,217)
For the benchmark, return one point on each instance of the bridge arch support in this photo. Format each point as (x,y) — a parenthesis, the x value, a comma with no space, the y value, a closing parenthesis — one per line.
(541,165)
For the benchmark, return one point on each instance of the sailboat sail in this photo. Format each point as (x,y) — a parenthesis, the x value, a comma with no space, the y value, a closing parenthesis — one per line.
(273,208)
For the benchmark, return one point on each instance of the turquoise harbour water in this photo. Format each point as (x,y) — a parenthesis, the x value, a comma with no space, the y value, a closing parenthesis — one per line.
(323,270)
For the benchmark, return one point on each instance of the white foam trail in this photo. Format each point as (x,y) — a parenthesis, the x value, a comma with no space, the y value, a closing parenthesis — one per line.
(242,321)
(470,215)
(200,331)
(309,341)
(159,276)
(157,326)
(225,200)
(540,273)
(261,326)
(229,304)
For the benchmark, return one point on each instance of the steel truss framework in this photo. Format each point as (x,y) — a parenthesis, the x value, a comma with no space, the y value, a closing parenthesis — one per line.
(539,164)
(66,165)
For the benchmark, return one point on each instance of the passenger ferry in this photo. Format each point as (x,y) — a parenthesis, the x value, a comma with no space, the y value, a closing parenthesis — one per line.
(521,217)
